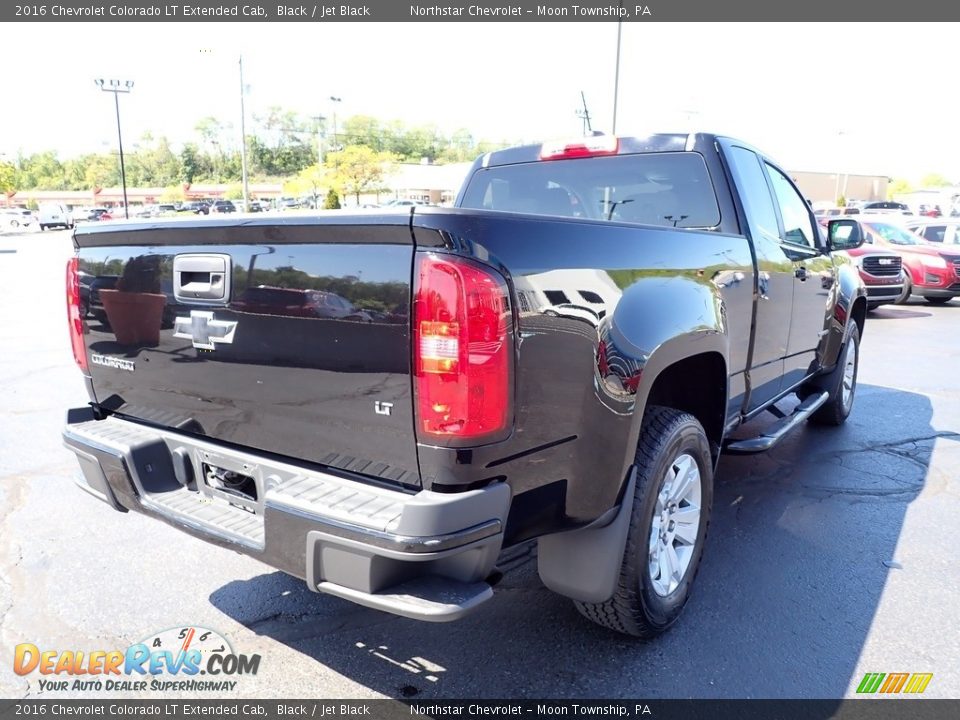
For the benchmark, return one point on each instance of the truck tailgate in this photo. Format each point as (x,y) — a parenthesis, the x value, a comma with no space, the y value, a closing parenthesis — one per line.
(288,335)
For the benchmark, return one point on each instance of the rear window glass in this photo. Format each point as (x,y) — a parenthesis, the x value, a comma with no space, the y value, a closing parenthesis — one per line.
(666,189)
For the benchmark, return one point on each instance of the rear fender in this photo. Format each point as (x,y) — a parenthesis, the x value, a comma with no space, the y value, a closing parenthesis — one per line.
(693,323)
(658,322)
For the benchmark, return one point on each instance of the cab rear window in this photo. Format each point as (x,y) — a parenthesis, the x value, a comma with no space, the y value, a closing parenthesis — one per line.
(664,189)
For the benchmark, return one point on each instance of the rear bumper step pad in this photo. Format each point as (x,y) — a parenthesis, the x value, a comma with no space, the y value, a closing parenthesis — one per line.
(423,555)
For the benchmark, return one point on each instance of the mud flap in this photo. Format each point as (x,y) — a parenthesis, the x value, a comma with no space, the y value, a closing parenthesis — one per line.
(585,564)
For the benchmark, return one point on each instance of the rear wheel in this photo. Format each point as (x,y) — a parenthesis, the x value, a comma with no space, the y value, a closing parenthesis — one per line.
(938,300)
(670,512)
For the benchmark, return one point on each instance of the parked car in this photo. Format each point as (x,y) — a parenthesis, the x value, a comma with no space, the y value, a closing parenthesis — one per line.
(824,215)
(932,211)
(933,271)
(199,207)
(223,206)
(882,273)
(945,231)
(97,214)
(403,202)
(390,463)
(887,206)
(15,220)
(55,215)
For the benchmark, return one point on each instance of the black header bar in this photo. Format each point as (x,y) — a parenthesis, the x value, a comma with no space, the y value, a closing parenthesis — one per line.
(503,11)
(877,709)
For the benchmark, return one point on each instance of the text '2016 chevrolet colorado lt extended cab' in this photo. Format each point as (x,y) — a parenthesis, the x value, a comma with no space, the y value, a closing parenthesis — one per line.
(380,403)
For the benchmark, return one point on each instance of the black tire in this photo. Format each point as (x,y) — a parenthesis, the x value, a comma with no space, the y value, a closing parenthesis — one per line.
(907,290)
(938,300)
(636,608)
(42,227)
(836,410)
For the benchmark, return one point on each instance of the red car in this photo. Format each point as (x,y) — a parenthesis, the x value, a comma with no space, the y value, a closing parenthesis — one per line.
(932,271)
(881,271)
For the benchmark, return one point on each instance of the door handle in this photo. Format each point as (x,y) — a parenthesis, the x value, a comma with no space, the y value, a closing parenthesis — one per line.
(800,273)
(201,278)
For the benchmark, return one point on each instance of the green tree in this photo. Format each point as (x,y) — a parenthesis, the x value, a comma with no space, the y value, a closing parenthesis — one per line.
(898,186)
(234,192)
(101,170)
(173,194)
(932,180)
(358,169)
(193,164)
(8,177)
(283,142)
(42,171)
(313,180)
(362,130)
(153,164)
(333,200)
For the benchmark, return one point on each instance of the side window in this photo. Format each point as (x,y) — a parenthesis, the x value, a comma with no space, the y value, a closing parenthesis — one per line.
(935,233)
(797,227)
(754,192)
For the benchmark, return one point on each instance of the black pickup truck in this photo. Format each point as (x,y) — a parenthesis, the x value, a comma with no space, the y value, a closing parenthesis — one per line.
(383,403)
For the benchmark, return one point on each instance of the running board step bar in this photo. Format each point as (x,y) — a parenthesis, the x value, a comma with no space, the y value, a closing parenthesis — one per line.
(776,432)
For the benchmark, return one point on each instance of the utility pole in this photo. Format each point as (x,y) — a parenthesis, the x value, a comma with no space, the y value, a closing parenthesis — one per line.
(316,198)
(319,119)
(333,99)
(616,72)
(117,87)
(585,115)
(243,142)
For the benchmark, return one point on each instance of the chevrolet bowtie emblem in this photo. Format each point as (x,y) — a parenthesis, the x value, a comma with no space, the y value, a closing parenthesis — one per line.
(203,330)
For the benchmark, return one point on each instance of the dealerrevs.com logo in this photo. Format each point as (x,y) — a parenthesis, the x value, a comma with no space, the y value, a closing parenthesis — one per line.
(188,659)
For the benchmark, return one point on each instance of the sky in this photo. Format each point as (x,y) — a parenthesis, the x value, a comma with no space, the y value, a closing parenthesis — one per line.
(826,97)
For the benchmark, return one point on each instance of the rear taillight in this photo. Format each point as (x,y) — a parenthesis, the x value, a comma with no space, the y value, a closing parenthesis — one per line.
(462,345)
(73,314)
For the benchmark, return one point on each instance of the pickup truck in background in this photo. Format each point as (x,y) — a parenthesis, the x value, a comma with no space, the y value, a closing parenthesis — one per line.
(561,357)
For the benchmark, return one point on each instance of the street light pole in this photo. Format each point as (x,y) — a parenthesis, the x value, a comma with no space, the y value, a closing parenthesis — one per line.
(836,186)
(116,87)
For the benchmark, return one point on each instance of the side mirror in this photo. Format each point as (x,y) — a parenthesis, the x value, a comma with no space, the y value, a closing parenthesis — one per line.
(844,235)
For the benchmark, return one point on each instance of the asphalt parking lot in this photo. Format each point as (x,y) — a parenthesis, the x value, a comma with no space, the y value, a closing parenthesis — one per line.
(832,556)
